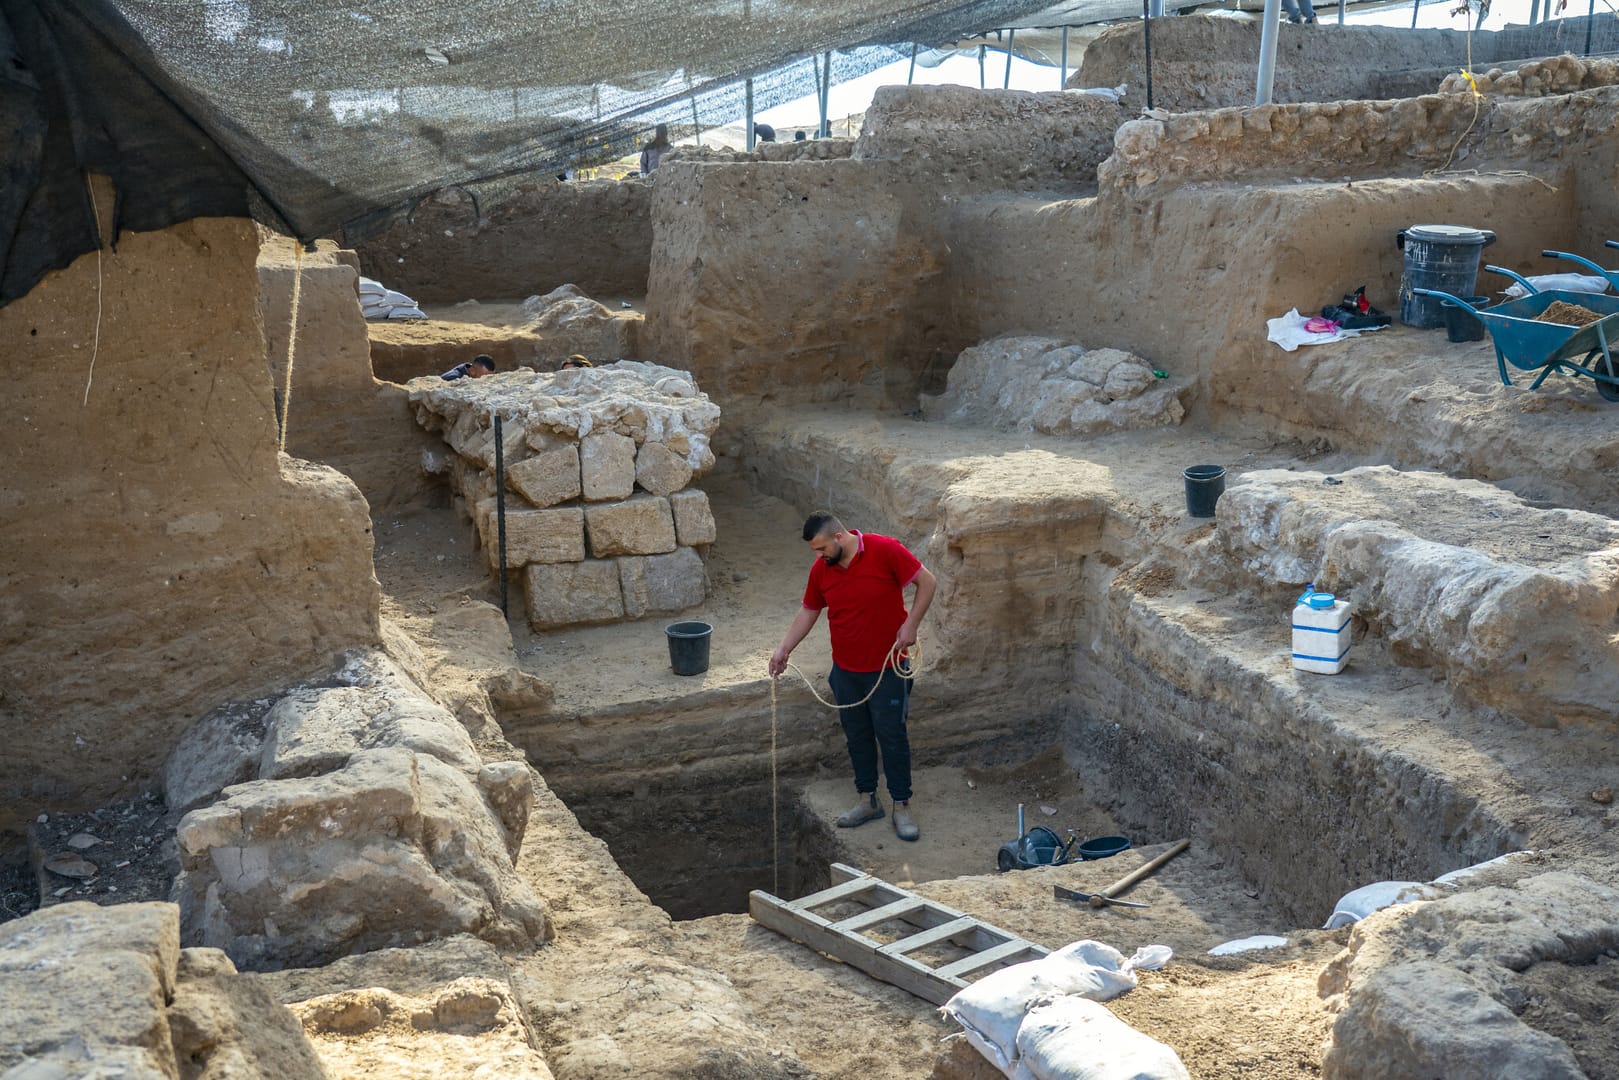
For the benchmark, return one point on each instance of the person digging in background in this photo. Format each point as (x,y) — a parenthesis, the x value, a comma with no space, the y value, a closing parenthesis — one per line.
(653,152)
(476,368)
(577,360)
(860,579)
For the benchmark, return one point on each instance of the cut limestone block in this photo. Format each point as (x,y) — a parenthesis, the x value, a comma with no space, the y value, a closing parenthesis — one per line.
(660,470)
(661,583)
(556,535)
(568,593)
(549,477)
(639,526)
(607,466)
(694,521)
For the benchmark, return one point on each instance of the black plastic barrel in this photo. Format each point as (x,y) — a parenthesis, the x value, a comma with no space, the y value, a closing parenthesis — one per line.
(688,646)
(1463,325)
(1439,257)
(1204,485)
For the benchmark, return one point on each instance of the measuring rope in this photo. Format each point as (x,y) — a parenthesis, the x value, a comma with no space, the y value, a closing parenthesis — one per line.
(896,654)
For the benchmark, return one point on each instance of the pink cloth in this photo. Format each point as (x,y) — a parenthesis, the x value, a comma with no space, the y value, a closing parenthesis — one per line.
(1318,325)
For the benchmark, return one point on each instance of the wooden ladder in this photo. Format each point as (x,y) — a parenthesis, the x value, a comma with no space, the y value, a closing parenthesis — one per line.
(846,939)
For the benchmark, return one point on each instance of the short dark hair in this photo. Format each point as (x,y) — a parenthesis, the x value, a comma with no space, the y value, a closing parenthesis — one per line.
(485,361)
(821,523)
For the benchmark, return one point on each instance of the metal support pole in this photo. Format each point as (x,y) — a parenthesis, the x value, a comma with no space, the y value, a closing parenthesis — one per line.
(981,83)
(1146,43)
(1344,3)
(1590,21)
(1006,83)
(826,93)
(910,75)
(1158,9)
(1269,31)
(697,125)
(748,90)
(500,506)
(1416,5)
(1063,85)
(1534,12)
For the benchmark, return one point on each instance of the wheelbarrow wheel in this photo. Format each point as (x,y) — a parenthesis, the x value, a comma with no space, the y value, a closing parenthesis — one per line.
(1608,390)
(1004,861)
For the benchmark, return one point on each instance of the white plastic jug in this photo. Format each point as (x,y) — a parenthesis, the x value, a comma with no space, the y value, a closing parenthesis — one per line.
(1320,632)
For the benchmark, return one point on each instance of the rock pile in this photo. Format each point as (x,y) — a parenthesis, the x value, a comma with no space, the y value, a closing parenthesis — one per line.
(1557,75)
(361,817)
(605,526)
(1055,387)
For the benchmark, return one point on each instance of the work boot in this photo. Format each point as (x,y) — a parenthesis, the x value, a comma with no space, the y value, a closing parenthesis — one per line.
(904,824)
(867,809)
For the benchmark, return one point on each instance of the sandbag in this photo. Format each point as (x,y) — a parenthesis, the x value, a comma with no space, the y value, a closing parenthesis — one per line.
(1355,906)
(990,1010)
(1074,1038)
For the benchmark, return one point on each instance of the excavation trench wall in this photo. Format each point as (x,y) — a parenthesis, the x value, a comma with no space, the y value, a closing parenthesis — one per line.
(512,240)
(157,555)
(1200,62)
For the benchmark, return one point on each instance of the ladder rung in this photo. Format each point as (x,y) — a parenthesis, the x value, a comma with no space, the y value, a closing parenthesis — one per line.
(984,959)
(899,908)
(942,932)
(846,891)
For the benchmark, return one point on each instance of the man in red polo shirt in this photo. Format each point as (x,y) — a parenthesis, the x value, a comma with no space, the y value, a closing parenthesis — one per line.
(860,579)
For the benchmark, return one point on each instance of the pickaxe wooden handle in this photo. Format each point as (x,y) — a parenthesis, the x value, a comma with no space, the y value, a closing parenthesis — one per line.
(1101,898)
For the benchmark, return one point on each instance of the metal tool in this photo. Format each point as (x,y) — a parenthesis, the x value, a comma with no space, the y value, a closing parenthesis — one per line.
(1034,847)
(1106,896)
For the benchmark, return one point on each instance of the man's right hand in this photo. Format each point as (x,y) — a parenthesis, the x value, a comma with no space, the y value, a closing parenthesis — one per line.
(778,662)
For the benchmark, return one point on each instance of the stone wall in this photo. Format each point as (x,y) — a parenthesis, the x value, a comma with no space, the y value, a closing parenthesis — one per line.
(599,522)
(596,234)
(159,556)
(1354,139)
(956,139)
(338,413)
(1200,62)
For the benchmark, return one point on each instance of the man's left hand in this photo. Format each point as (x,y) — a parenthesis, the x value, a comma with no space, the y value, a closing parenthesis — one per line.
(906,636)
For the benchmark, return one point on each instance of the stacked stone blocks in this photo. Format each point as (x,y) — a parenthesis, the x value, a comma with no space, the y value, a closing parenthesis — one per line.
(600,520)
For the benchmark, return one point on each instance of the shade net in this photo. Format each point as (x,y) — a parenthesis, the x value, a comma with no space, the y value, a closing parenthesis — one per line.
(316,114)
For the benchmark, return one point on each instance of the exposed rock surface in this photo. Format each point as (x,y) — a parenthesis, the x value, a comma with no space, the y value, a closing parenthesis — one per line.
(1055,387)
(1458,575)
(107,991)
(1434,989)
(373,823)
(1557,75)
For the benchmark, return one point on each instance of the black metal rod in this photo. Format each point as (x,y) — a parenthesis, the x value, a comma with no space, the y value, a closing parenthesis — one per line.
(1590,21)
(1146,37)
(500,506)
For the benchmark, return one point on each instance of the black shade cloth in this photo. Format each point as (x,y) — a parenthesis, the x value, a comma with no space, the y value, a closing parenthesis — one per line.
(313,114)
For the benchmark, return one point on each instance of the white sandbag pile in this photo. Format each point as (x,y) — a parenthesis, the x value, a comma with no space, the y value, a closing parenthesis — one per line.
(600,518)
(1020,1018)
(377,301)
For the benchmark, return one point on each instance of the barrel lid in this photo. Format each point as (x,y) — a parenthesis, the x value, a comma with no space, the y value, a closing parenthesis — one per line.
(1446,234)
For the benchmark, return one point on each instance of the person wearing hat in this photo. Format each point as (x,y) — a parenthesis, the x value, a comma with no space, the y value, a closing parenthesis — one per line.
(577,360)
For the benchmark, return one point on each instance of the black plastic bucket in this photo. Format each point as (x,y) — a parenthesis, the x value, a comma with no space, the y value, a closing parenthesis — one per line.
(1463,325)
(1439,257)
(688,646)
(1204,485)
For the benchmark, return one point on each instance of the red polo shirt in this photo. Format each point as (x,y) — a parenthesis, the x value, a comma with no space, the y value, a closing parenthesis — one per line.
(865,601)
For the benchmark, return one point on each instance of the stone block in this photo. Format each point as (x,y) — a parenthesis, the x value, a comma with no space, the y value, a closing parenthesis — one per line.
(639,526)
(564,594)
(660,470)
(694,520)
(556,535)
(317,731)
(607,466)
(662,583)
(549,477)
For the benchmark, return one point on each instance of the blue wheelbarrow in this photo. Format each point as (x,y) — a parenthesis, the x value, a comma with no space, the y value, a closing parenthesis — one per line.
(1611,275)
(1547,346)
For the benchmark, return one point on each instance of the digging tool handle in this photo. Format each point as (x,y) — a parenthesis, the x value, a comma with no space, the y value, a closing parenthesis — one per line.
(1137,874)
